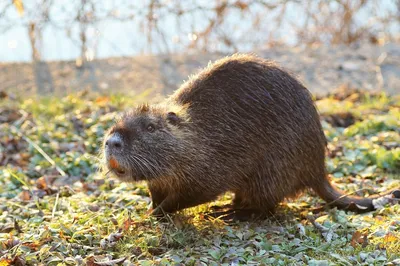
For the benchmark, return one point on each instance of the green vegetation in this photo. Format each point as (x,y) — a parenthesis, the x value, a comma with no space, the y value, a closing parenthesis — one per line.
(86,218)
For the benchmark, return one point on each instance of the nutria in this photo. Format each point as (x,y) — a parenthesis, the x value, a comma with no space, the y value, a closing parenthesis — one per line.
(242,125)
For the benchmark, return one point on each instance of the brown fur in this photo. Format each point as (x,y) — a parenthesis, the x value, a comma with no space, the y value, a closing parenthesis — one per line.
(243,125)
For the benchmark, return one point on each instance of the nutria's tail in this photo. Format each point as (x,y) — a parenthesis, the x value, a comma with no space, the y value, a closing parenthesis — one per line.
(335,197)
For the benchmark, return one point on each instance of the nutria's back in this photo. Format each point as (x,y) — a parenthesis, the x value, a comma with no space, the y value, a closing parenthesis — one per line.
(243,125)
(257,120)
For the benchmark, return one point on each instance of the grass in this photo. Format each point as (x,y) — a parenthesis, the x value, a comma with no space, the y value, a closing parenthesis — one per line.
(85,218)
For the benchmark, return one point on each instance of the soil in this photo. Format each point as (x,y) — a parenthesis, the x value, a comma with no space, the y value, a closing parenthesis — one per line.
(323,69)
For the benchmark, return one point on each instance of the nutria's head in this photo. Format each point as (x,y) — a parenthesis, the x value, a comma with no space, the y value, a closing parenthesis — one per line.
(142,145)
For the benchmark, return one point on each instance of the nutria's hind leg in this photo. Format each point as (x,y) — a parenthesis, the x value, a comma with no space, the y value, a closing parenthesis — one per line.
(254,200)
(245,206)
(165,201)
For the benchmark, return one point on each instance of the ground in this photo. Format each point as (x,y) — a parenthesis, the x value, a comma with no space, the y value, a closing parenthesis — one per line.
(363,65)
(57,208)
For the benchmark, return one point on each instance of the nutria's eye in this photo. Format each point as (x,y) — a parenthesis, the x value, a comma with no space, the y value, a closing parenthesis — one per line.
(173,118)
(150,128)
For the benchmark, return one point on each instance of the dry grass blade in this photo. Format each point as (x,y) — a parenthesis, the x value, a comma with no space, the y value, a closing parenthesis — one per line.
(40,150)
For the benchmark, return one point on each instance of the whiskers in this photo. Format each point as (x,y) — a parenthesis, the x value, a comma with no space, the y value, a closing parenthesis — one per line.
(147,168)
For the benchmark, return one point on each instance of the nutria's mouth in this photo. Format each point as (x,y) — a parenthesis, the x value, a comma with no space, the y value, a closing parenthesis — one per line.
(116,168)
(123,172)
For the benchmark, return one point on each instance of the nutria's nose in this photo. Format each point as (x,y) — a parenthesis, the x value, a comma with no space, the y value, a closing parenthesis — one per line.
(114,143)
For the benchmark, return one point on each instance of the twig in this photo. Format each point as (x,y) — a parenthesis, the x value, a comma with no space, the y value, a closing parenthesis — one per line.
(22,118)
(40,150)
(55,206)
(29,188)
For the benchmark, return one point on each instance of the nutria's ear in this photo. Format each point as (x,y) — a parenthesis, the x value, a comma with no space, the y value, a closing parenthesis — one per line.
(173,119)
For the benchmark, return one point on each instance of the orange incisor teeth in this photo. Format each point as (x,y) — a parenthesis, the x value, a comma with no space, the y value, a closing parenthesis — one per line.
(113,163)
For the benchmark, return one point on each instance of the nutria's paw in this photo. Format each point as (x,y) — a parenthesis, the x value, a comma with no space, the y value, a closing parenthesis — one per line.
(158,213)
(219,214)
(221,207)
(236,215)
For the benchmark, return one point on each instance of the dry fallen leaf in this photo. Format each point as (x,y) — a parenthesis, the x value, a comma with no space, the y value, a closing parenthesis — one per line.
(127,224)
(111,240)
(101,261)
(25,195)
(10,242)
(359,238)
(32,245)
(18,261)
(103,100)
(5,262)
(390,237)
(42,183)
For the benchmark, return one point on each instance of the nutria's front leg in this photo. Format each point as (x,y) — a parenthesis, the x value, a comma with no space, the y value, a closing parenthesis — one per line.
(163,201)
(157,196)
(168,205)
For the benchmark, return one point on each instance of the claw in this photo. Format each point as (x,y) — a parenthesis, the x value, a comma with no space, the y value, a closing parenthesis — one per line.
(236,215)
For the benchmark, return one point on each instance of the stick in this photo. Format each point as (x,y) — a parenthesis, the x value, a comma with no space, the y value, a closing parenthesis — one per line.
(55,206)
(40,150)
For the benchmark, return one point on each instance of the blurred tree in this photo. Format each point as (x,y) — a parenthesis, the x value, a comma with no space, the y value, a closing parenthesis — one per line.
(216,25)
